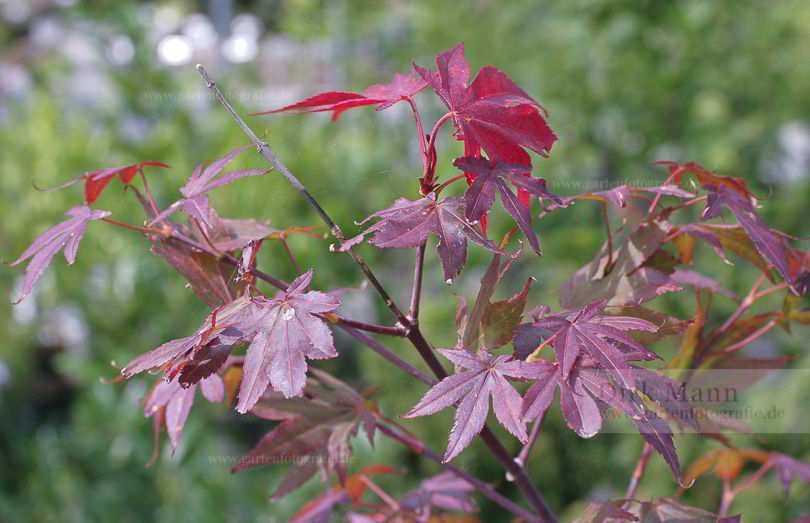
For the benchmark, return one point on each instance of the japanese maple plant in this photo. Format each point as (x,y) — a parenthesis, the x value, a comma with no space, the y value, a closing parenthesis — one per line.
(256,345)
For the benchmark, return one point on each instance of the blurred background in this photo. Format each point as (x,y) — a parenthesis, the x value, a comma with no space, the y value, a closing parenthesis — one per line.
(86,85)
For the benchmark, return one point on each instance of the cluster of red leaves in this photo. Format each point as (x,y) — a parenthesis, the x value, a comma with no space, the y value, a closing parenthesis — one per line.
(96,181)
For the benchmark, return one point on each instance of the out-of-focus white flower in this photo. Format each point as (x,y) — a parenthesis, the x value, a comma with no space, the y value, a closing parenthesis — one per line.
(47,32)
(65,326)
(174,50)
(79,49)
(16,11)
(200,31)
(121,50)
(247,25)
(239,49)
(5,375)
(15,81)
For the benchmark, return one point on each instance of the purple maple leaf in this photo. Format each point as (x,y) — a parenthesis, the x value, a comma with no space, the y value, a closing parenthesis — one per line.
(67,235)
(789,469)
(652,428)
(446,491)
(319,425)
(601,338)
(584,395)
(492,177)
(768,245)
(178,401)
(285,332)
(486,377)
(201,354)
(195,202)
(408,223)
(384,96)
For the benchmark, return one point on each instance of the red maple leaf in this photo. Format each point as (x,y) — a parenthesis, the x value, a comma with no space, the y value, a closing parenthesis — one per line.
(383,96)
(96,181)
(492,113)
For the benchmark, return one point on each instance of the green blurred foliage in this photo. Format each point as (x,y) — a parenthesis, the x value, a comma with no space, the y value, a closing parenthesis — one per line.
(625,83)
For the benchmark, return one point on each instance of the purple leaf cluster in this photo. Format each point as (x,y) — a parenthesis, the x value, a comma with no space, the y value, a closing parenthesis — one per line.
(408,223)
(64,237)
(195,202)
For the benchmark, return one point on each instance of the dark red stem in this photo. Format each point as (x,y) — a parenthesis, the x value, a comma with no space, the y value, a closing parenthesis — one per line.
(482,487)
(638,473)
(448,182)
(398,331)
(420,135)
(148,192)
(290,255)
(430,155)
(436,127)
(416,292)
(135,227)
(390,356)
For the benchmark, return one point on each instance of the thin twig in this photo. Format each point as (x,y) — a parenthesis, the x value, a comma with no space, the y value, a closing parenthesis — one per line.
(751,337)
(606,218)
(135,227)
(789,236)
(148,192)
(667,210)
(750,480)
(657,198)
(482,487)
(728,497)
(638,473)
(435,131)
(522,479)
(744,305)
(391,502)
(540,347)
(448,182)
(227,258)
(398,330)
(416,293)
(390,356)
(420,135)
(523,456)
(290,255)
(216,252)
(775,288)
(269,155)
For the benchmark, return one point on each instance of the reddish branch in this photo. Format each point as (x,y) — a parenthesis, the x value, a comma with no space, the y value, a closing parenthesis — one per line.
(483,488)
(638,473)
(414,335)
(416,293)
